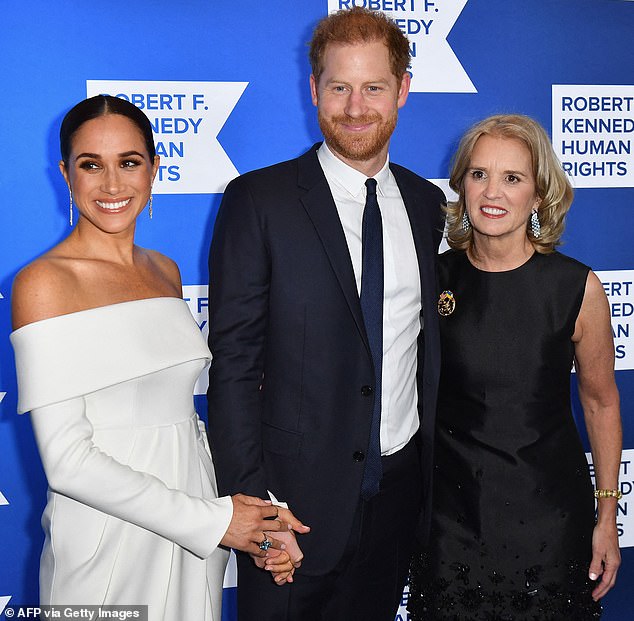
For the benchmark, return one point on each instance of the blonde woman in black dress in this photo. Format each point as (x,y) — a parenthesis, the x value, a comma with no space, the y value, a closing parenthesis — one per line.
(513,533)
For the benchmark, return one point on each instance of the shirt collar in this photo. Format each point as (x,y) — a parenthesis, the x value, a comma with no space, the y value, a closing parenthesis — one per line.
(349,178)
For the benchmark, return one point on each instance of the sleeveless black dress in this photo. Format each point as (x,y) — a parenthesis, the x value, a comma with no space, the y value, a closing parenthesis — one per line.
(513,503)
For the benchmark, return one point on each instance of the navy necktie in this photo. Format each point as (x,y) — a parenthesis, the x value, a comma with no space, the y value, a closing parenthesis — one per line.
(372,308)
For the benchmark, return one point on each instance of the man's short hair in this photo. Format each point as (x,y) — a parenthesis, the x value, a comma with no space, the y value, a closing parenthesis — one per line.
(359,25)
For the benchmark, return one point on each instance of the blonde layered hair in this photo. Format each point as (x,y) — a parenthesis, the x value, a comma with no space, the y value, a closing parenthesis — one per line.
(551,183)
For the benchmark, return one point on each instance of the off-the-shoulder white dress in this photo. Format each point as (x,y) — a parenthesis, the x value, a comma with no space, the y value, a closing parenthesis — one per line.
(132,515)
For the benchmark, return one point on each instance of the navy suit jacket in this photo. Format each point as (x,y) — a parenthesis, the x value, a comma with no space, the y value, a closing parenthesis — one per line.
(290,354)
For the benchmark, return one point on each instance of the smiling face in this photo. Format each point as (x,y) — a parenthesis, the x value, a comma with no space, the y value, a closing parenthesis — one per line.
(499,189)
(109,172)
(358,97)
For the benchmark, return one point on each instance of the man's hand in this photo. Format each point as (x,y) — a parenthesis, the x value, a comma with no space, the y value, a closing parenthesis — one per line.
(292,548)
(283,562)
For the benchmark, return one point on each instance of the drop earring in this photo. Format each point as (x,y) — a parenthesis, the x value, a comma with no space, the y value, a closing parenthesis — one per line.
(70,206)
(466,223)
(150,207)
(536,227)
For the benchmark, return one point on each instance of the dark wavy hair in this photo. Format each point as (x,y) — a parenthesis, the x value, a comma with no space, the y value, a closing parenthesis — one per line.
(101,105)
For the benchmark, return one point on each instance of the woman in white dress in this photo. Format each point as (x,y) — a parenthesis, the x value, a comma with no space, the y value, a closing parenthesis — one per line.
(107,354)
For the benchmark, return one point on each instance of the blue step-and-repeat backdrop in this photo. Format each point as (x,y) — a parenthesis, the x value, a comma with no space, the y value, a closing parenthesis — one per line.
(225,84)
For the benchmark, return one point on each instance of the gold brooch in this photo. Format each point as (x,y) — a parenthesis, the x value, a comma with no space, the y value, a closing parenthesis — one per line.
(446,303)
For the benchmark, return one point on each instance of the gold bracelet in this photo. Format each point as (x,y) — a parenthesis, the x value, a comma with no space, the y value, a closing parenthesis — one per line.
(608,493)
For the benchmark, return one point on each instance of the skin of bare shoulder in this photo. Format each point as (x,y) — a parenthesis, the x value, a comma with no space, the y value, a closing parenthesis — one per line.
(43,289)
(59,283)
(167,267)
(595,309)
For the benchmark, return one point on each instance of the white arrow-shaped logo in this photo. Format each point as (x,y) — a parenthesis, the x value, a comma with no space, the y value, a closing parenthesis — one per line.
(435,67)
(186,118)
(4,600)
(3,500)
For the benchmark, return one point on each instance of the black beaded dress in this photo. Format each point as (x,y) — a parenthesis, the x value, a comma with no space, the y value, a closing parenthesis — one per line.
(513,504)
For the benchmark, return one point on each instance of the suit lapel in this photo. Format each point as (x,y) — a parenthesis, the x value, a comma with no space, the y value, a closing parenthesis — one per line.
(322,211)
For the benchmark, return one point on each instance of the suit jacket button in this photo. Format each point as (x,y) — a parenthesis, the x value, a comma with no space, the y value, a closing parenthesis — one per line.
(366,391)
(358,455)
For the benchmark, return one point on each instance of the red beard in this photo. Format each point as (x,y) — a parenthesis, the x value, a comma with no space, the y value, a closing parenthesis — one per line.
(357,147)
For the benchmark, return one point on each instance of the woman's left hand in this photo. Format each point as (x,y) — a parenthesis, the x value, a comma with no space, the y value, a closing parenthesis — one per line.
(606,558)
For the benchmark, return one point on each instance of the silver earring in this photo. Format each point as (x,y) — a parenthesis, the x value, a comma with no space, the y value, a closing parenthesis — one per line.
(536,227)
(150,208)
(466,223)
(70,209)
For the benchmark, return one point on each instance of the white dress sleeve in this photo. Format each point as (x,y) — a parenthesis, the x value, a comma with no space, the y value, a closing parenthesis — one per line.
(63,362)
(76,468)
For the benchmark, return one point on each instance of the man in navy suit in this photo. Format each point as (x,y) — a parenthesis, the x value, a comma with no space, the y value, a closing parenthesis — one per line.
(295,406)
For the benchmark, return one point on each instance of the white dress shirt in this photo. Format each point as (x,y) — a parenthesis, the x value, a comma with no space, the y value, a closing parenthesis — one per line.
(402,294)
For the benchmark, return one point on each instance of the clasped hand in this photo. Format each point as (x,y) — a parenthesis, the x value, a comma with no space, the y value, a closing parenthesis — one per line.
(254,519)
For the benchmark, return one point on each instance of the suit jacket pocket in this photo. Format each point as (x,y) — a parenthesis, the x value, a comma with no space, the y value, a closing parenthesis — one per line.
(281,441)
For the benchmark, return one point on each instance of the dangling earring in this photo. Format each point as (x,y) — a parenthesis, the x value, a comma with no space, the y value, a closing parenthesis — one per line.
(536,227)
(70,210)
(150,208)
(466,223)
